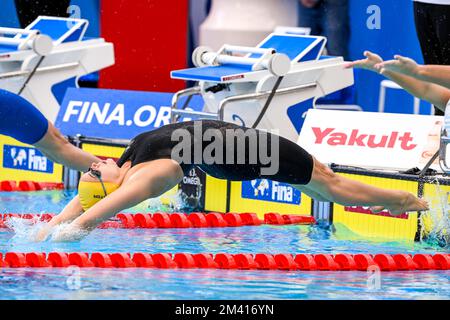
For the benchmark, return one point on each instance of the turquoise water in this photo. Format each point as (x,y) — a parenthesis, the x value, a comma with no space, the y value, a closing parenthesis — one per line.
(207,284)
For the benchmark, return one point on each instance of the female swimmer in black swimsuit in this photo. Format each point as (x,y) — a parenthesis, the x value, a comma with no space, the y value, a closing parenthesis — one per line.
(156,161)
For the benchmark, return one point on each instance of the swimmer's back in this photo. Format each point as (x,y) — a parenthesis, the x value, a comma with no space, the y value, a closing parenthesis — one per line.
(295,164)
(158,143)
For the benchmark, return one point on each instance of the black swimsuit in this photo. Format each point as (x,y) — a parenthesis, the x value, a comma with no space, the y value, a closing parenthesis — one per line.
(295,164)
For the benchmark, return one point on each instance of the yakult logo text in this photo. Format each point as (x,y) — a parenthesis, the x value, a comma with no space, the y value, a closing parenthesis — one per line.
(359,139)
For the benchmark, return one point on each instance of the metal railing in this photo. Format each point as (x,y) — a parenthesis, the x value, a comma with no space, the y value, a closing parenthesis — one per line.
(224,103)
(39,70)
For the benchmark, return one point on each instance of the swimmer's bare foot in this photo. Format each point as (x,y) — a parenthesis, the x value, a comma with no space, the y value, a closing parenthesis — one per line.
(409,203)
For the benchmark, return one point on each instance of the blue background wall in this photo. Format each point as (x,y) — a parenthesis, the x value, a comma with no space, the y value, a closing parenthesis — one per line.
(89,10)
(397,35)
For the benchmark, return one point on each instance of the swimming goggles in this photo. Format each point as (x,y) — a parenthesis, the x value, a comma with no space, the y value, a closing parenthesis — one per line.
(97,174)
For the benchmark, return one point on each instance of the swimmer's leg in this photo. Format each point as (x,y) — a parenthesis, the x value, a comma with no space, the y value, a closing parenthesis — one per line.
(59,150)
(349,192)
(310,193)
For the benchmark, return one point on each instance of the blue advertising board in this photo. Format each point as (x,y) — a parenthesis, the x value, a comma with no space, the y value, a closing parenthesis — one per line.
(115,114)
(268,190)
(24,158)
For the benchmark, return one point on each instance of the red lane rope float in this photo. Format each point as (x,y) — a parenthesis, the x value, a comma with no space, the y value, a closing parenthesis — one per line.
(242,261)
(180,220)
(12,186)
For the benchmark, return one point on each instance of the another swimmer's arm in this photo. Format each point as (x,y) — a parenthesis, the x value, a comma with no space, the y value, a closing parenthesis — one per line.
(59,150)
(433,93)
(437,74)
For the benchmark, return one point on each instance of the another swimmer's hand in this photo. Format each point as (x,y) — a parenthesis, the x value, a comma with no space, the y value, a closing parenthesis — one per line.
(369,63)
(406,66)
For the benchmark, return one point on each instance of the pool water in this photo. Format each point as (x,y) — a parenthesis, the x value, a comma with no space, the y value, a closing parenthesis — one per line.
(74,283)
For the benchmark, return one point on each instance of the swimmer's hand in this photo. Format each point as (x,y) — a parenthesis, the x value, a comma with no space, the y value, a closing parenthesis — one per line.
(369,63)
(70,233)
(403,65)
(43,234)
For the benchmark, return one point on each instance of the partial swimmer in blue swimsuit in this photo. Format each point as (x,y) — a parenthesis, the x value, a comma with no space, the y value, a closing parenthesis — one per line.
(22,121)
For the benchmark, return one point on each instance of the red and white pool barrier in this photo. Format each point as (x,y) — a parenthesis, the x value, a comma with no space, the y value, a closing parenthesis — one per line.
(13,186)
(181,220)
(239,261)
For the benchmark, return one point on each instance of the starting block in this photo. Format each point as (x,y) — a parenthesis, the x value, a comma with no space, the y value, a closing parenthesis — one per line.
(48,52)
(445,141)
(269,87)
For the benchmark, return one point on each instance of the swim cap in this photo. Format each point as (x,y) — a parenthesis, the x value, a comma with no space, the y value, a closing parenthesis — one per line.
(92,192)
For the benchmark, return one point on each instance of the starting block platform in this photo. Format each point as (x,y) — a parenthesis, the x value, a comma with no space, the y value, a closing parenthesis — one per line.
(297,48)
(269,86)
(46,53)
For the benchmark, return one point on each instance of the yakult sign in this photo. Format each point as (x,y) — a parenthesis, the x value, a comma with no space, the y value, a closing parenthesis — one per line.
(372,140)
(115,114)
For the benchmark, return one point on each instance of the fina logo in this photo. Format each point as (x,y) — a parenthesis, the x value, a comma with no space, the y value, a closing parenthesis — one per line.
(23,158)
(267,190)
(260,187)
(19,158)
(86,112)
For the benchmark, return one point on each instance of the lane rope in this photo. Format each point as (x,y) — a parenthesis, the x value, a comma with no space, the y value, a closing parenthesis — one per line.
(179,220)
(26,186)
(240,261)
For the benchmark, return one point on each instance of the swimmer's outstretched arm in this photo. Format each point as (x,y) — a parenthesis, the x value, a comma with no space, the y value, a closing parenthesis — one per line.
(437,74)
(433,93)
(150,180)
(72,211)
(59,150)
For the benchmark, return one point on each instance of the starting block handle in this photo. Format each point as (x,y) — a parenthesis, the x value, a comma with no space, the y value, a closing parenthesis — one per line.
(241,49)
(445,141)
(41,44)
(16,31)
(277,63)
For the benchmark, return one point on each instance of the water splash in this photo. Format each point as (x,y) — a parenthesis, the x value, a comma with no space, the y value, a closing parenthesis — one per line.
(28,230)
(167,203)
(435,224)
(66,232)
(25,230)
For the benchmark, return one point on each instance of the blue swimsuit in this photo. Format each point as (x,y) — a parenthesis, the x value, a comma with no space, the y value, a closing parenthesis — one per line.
(21,120)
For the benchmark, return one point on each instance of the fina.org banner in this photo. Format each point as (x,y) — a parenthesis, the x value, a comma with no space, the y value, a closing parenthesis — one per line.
(115,114)
(371,140)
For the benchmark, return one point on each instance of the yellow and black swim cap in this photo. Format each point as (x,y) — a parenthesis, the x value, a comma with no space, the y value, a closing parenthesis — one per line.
(90,193)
